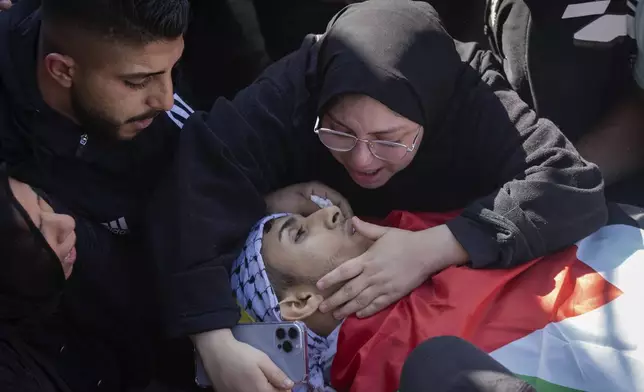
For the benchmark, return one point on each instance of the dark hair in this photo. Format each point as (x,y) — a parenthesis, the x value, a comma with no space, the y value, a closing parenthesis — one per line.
(31,276)
(279,280)
(282,280)
(138,21)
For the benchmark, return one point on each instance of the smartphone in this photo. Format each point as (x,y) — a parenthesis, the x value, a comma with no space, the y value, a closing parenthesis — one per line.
(285,343)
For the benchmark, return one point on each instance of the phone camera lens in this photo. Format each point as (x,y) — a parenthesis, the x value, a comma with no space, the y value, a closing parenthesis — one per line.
(280,333)
(293,333)
(287,347)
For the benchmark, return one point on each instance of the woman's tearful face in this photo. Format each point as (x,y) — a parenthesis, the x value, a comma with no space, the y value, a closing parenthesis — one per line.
(369,120)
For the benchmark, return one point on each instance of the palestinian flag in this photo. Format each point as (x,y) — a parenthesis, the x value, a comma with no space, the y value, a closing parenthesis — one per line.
(566,322)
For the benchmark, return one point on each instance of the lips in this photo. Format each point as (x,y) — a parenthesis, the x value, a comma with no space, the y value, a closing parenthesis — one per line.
(140,125)
(71,256)
(365,178)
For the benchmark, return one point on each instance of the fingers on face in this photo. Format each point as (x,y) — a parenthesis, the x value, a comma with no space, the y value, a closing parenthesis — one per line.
(307,207)
(348,270)
(376,306)
(345,295)
(346,209)
(360,302)
(319,189)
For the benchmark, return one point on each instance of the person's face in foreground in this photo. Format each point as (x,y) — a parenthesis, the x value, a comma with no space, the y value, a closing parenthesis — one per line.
(57,229)
(307,248)
(310,247)
(368,119)
(117,89)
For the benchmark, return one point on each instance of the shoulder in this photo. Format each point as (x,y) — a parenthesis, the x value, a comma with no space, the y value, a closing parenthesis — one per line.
(576,23)
(285,88)
(486,65)
(294,70)
(180,111)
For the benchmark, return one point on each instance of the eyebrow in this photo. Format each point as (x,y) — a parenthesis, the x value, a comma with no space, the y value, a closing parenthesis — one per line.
(141,75)
(288,223)
(388,130)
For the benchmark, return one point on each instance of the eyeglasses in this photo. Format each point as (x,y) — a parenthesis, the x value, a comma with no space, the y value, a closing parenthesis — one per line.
(382,149)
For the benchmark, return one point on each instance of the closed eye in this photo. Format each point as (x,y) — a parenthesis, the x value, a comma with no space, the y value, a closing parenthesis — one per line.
(300,233)
(340,128)
(137,85)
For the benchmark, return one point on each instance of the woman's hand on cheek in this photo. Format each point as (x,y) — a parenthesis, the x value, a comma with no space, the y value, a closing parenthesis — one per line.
(296,199)
(397,263)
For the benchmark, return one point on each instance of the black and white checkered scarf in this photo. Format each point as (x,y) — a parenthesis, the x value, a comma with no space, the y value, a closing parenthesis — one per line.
(256,296)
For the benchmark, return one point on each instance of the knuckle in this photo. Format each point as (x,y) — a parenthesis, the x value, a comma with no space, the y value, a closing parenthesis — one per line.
(369,310)
(374,276)
(348,290)
(373,281)
(362,301)
(343,270)
(346,271)
(380,303)
(389,287)
(334,301)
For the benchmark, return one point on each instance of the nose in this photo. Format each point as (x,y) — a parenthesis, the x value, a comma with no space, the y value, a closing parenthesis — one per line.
(329,217)
(163,98)
(65,225)
(361,156)
(57,227)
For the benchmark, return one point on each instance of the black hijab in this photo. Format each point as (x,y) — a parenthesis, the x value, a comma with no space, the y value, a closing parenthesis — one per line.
(110,295)
(411,65)
(31,276)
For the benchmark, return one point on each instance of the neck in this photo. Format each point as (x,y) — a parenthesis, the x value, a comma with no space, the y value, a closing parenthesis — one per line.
(322,323)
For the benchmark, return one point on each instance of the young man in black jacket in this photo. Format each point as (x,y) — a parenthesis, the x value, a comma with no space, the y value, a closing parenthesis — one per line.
(88,110)
(89,114)
(572,62)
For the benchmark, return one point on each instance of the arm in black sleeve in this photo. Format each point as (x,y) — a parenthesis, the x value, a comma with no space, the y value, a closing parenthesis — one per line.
(549,196)
(202,212)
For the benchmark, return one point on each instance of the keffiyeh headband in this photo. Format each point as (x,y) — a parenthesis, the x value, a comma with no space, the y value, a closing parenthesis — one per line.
(249,281)
(256,297)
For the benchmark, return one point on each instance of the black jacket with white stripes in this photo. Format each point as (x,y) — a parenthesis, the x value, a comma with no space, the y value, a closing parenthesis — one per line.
(108,184)
(101,337)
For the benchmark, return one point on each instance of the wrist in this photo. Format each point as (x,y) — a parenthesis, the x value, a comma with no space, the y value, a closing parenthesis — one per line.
(211,341)
(440,249)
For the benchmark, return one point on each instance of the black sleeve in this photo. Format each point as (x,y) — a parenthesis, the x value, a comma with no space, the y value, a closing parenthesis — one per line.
(549,196)
(19,372)
(4,123)
(569,69)
(226,161)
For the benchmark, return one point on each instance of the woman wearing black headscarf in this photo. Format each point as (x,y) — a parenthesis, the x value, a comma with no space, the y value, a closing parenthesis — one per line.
(68,325)
(388,110)
(37,254)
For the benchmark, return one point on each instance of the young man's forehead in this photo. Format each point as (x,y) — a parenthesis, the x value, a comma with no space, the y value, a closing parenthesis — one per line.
(129,58)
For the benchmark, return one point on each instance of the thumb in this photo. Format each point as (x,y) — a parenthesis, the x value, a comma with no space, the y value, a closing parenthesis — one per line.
(275,375)
(369,230)
(306,206)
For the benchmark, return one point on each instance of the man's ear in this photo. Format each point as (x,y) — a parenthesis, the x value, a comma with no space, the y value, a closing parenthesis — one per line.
(61,68)
(299,304)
